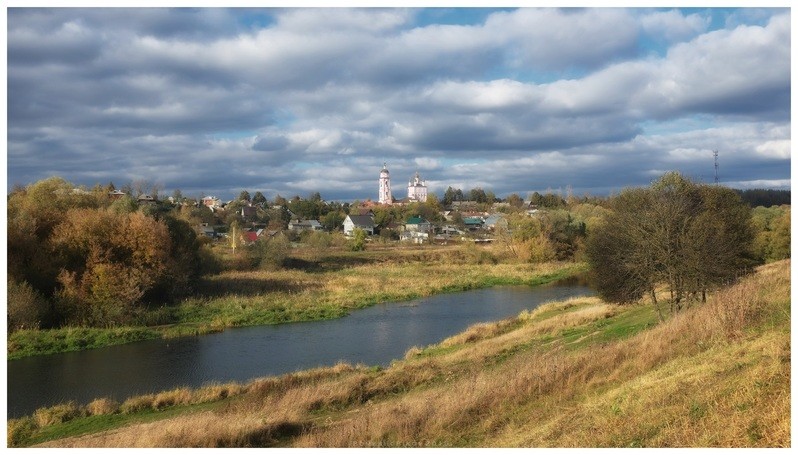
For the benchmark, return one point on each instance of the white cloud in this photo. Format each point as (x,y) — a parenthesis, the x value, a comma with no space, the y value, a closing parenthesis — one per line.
(559,39)
(775,149)
(426,163)
(541,97)
(673,26)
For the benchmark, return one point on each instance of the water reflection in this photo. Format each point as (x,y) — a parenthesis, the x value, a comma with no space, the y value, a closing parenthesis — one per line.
(373,336)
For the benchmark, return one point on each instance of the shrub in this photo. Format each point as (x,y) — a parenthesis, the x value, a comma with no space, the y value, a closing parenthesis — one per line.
(59,413)
(270,253)
(19,430)
(171,398)
(358,242)
(102,406)
(136,404)
(26,307)
(215,392)
(477,254)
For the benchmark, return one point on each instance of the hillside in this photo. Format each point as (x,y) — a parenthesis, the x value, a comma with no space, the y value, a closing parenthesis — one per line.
(579,373)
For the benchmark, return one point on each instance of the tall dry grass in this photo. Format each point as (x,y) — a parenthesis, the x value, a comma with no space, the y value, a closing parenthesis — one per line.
(717,375)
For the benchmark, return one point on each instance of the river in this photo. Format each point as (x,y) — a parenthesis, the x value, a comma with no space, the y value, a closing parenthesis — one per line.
(371,336)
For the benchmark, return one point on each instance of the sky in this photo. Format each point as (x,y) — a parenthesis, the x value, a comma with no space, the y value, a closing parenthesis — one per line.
(292,101)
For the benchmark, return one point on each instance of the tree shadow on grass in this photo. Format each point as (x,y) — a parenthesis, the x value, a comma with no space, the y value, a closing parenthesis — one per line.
(271,435)
(328,263)
(221,286)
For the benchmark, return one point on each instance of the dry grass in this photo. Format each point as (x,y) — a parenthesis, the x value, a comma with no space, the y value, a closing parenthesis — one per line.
(717,375)
(102,406)
(57,414)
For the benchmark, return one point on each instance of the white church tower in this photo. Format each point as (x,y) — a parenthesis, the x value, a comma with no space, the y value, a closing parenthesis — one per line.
(417,189)
(385,186)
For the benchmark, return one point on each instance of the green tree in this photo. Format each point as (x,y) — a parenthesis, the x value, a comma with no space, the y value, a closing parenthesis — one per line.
(478,195)
(259,199)
(515,200)
(772,228)
(270,252)
(780,239)
(333,220)
(244,196)
(358,242)
(449,196)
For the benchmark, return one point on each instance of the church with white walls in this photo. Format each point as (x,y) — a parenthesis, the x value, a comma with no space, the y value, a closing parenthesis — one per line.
(416,188)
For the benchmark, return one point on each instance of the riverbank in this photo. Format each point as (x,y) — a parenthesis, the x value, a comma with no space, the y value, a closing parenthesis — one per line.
(311,287)
(579,373)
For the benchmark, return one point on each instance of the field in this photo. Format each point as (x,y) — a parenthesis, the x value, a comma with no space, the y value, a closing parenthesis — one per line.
(579,373)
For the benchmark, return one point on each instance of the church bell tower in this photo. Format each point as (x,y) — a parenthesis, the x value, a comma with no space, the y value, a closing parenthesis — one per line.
(385,186)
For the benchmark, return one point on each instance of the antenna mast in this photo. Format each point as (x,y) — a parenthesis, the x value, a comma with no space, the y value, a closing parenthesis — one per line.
(715,154)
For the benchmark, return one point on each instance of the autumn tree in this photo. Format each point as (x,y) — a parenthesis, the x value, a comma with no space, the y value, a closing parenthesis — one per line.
(109,261)
(77,257)
(525,239)
(772,238)
(689,237)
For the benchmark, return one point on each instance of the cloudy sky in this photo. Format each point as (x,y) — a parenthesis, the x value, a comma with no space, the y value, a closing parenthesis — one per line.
(293,101)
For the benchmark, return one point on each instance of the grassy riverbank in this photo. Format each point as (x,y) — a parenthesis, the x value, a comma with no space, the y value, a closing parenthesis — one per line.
(579,373)
(311,287)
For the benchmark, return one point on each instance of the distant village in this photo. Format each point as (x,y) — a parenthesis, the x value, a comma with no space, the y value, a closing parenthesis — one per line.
(417,217)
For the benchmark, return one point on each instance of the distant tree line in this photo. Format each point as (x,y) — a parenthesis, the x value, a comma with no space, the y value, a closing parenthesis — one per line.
(764,198)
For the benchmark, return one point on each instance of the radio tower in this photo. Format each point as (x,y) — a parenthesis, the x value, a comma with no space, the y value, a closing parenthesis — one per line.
(715,154)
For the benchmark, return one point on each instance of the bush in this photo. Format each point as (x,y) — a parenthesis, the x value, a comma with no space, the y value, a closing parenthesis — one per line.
(59,413)
(102,406)
(137,404)
(209,263)
(270,253)
(171,398)
(215,392)
(477,254)
(19,430)
(26,307)
(358,242)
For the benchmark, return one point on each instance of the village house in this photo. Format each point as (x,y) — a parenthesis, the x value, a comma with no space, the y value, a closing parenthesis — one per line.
(211,201)
(248,212)
(364,222)
(306,225)
(418,224)
(146,199)
(207,231)
(473,223)
(116,194)
(495,221)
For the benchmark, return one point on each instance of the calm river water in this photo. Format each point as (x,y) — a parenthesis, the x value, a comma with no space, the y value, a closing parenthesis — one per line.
(372,336)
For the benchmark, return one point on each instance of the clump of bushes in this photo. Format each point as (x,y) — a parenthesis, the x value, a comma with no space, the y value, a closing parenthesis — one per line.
(477,254)
(20,430)
(26,307)
(102,406)
(270,253)
(59,413)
